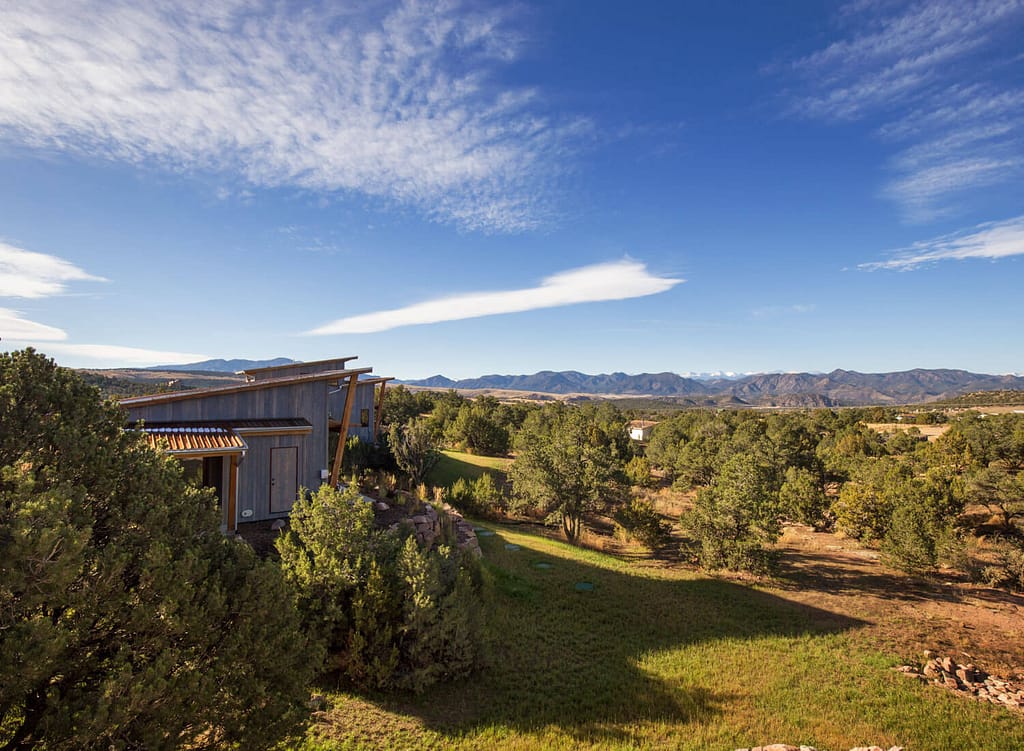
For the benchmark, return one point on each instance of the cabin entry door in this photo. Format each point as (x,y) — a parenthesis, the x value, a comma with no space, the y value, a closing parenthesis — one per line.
(284,478)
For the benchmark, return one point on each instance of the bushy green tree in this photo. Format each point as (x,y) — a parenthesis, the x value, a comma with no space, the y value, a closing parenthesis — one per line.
(481,496)
(564,467)
(126,619)
(735,518)
(802,498)
(414,447)
(386,613)
(477,428)
(641,521)
(638,472)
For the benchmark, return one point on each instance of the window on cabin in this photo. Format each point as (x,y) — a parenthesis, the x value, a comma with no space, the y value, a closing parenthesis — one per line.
(364,417)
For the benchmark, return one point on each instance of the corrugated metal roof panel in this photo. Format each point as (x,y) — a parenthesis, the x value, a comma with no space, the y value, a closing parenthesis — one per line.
(249,424)
(183,439)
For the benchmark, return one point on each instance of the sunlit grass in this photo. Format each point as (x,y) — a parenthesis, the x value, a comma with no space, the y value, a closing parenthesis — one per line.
(455,464)
(656,657)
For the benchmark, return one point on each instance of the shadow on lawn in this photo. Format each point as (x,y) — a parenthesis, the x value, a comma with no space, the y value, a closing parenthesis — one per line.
(849,574)
(574,661)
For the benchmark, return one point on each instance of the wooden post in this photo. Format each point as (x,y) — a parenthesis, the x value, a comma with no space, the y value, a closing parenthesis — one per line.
(380,411)
(233,493)
(339,453)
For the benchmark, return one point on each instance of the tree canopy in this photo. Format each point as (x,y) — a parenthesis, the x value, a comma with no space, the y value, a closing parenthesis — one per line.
(126,619)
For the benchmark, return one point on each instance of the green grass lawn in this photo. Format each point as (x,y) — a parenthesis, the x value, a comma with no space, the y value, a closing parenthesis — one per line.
(455,464)
(656,657)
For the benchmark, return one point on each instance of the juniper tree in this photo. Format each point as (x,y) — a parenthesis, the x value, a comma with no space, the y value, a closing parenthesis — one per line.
(126,619)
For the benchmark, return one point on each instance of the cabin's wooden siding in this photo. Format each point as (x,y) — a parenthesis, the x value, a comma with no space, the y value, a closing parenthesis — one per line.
(364,399)
(305,400)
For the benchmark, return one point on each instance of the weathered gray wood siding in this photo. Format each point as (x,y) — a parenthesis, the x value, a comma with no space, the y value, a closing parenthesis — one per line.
(254,473)
(307,400)
(364,399)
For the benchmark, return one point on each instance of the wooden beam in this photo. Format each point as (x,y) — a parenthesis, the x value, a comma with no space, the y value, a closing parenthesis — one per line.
(380,411)
(339,453)
(233,493)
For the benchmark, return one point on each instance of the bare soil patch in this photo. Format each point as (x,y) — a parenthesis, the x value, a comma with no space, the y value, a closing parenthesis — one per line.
(931,432)
(906,615)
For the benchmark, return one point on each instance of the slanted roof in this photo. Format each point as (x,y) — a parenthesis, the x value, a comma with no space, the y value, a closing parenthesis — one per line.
(642,424)
(177,396)
(323,365)
(374,381)
(184,440)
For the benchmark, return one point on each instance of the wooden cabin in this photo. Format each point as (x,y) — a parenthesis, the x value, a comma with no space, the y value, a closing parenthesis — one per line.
(257,442)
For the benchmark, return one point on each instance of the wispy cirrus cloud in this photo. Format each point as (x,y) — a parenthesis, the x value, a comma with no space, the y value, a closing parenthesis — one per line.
(13,326)
(394,100)
(27,274)
(933,74)
(607,281)
(992,241)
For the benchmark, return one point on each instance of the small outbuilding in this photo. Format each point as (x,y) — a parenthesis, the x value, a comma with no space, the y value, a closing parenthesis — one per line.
(258,441)
(640,430)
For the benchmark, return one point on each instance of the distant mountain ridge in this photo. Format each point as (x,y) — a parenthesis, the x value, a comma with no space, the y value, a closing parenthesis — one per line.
(225,366)
(838,388)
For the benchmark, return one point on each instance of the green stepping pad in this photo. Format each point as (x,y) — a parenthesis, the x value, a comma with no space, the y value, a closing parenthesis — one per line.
(543,565)
(584,587)
(511,546)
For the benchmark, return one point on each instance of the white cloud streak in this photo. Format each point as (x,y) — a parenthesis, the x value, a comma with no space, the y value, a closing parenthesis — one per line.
(13,326)
(929,71)
(607,281)
(112,355)
(27,274)
(992,241)
(397,101)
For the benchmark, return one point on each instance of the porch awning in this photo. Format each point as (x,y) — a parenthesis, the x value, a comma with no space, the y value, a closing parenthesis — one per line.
(191,440)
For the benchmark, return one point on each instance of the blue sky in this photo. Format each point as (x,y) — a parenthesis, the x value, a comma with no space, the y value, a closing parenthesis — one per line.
(470,188)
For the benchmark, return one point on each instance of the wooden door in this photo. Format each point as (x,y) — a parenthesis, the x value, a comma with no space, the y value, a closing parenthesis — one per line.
(284,478)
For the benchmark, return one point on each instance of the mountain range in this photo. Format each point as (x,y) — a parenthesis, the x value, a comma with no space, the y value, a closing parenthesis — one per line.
(838,388)
(224,366)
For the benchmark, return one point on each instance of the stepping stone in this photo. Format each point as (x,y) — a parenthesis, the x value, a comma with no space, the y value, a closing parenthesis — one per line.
(511,546)
(543,565)
(485,533)
(584,587)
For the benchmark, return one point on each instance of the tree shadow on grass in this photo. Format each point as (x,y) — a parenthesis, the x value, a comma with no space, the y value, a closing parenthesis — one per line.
(842,573)
(574,661)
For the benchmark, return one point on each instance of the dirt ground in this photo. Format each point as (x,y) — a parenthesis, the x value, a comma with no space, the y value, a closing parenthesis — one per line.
(906,615)
(931,432)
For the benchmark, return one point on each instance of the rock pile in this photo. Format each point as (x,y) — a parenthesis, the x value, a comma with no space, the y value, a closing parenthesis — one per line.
(787,747)
(967,680)
(427,526)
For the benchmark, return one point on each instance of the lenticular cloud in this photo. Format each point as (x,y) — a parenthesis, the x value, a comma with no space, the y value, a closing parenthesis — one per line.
(607,281)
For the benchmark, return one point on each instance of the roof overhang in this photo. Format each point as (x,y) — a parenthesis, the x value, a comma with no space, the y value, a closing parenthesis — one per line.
(176,396)
(187,441)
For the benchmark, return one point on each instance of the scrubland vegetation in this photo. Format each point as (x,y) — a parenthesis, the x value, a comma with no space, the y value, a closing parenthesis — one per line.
(127,620)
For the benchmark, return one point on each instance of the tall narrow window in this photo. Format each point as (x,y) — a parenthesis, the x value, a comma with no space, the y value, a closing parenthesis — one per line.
(364,418)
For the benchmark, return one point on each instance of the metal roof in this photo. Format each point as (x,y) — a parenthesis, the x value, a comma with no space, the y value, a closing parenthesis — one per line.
(299,365)
(195,440)
(175,396)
